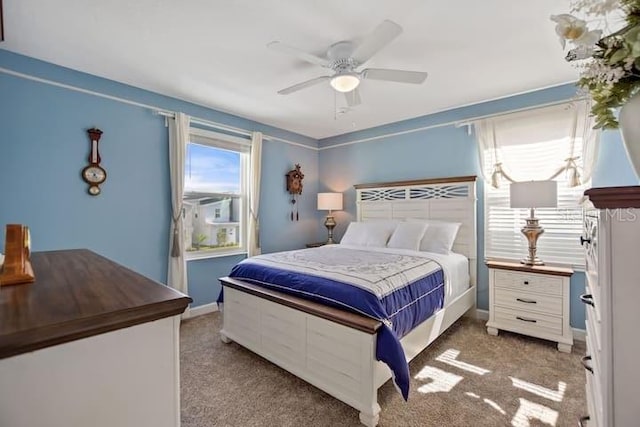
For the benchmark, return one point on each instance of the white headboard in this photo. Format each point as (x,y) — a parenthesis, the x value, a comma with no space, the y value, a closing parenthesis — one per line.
(452,199)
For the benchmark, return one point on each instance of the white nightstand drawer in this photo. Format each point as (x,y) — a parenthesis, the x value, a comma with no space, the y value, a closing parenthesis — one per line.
(528,322)
(520,300)
(530,300)
(528,282)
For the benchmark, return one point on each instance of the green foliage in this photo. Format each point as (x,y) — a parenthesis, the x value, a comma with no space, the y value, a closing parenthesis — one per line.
(221,235)
(613,76)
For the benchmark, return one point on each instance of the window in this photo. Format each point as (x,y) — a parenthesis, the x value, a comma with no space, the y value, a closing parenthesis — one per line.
(560,242)
(215,200)
(534,145)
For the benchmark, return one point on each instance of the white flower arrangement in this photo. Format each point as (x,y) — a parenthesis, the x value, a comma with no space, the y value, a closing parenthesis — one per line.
(609,65)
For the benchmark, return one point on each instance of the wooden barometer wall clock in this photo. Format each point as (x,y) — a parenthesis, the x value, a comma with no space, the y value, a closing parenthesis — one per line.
(94,174)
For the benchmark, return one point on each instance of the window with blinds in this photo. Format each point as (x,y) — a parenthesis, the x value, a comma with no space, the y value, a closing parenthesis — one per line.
(562,225)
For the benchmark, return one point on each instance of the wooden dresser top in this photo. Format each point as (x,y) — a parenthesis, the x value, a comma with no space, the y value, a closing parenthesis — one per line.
(78,294)
(615,197)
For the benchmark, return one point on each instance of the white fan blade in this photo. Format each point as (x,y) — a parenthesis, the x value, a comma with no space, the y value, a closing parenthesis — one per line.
(381,36)
(303,85)
(353,98)
(401,76)
(309,57)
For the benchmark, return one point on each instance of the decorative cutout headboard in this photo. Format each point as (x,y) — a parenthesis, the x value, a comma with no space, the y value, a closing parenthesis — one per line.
(451,199)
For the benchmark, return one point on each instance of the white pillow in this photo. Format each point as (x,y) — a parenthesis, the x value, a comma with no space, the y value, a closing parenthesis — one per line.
(370,233)
(387,224)
(439,236)
(408,235)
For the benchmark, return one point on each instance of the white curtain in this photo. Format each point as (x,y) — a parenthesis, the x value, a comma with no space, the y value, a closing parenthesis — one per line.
(253,241)
(178,140)
(557,130)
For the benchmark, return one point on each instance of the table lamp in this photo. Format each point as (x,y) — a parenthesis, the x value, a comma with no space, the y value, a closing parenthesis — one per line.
(531,195)
(330,202)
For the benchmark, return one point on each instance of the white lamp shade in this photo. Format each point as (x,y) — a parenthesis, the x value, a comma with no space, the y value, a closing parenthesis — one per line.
(534,194)
(329,201)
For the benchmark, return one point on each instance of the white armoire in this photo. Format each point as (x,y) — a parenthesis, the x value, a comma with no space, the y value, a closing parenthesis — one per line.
(612,298)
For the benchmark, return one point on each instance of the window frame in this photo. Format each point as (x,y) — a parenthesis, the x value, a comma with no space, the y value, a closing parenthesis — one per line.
(242,146)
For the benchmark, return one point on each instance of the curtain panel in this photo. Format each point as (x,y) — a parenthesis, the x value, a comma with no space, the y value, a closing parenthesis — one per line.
(563,133)
(253,241)
(178,140)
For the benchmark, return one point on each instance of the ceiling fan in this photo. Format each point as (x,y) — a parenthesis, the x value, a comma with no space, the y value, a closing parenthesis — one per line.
(344,57)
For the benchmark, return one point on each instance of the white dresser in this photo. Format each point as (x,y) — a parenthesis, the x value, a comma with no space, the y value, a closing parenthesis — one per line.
(89,343)
(530,300)
(612,298)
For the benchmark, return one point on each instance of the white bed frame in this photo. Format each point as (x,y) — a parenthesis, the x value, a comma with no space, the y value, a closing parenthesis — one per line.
(322,349)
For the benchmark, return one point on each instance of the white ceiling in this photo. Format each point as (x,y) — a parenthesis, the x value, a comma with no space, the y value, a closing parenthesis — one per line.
(213,52)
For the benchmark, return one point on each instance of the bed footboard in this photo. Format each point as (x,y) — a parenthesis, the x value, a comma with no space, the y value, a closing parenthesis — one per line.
(331,349)
(337,359)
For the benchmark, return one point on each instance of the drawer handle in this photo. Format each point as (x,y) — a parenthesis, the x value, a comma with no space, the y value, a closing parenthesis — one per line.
(582,422)
(524,319)
(526,301)
(526,282)
(587,299)
(584,361)
(583,240)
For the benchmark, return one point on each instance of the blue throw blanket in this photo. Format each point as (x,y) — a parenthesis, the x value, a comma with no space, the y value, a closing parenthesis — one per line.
(399,290)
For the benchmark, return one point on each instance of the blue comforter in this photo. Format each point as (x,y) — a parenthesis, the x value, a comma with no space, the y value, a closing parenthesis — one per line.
(399,290)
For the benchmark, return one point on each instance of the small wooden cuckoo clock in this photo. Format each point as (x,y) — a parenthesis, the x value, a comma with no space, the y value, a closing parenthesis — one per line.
(294,187)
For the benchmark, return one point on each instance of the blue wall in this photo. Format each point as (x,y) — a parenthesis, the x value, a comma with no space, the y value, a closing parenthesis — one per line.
(44,146)
(613,169)
(448,151)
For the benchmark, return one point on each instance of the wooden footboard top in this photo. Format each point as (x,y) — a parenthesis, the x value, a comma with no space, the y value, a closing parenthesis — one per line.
(346,318)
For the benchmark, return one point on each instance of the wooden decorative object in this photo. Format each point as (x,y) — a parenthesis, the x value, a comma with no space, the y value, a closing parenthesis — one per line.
(294,180)
(17,265)
(94,174)
(294,187)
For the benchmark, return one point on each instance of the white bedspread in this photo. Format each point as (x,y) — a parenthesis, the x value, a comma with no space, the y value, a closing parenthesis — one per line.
(379,272)
(455,266)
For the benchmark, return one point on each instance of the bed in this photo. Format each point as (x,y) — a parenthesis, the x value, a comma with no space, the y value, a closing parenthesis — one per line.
(338,350)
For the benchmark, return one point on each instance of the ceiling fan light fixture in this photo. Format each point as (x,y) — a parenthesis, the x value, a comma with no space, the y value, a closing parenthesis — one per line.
(345,82)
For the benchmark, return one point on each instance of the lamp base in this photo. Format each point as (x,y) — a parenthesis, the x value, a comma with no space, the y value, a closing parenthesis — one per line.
(532,231)
(330,223)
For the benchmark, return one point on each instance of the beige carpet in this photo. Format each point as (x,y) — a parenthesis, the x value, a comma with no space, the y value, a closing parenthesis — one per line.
(226,385)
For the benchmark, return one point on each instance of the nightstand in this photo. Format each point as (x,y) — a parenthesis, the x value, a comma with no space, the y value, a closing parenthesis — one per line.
(316,245)
(530,300)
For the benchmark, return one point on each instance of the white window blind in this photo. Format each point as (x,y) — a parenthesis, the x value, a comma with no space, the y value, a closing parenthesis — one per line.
(560,242)
(533,150)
